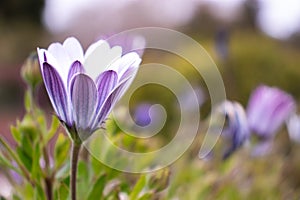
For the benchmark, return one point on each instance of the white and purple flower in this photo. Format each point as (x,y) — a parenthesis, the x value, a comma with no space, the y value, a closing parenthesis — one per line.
(236,131)
(83,88)
(267,110)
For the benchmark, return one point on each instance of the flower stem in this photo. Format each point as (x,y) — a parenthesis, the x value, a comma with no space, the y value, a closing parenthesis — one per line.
(74,163)
(48,183)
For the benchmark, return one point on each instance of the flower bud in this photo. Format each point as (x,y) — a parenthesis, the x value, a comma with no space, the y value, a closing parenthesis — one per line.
(160,180)
(30,70)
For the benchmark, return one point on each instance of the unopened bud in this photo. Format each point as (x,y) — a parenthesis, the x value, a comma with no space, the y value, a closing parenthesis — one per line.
(160,180)
(30,71)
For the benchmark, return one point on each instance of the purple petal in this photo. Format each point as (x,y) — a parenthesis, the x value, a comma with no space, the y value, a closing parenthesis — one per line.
(105,84)
(45,56)
(75,68)
(108,104)
(281,111)
(84,100)
(267,110)
(57,93)
(237,130)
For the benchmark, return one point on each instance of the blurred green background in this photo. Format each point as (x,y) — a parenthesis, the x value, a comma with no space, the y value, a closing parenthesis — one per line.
(249,57)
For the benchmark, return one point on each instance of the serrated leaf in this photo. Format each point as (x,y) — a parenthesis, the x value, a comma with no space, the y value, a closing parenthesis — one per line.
(138,188)
(97,189)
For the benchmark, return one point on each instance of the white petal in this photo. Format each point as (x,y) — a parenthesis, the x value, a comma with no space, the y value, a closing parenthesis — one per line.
(130,60)
(74,49)
(99,56)
(45,56)
(62,58)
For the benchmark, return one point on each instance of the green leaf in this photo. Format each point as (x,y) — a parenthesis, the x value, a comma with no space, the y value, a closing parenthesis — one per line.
(28,128)
(7,163)
(61,152)
(25,159)
(53,128)
(15,197)
(41,121)
(62,192)
(138,188)
(63,172)
(25,150)
(39,193)
(16,134)
(36,168)
(82,178)
(146,196)
(97,189)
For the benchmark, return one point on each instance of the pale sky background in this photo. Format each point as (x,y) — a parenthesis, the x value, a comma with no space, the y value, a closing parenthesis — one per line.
(277,18)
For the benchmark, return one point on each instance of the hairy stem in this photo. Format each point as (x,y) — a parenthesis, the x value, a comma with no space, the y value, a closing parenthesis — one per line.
(74,163)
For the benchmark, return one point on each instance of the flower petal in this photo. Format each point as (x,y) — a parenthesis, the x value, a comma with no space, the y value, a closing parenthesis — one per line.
(267,110)
(45,56)
(84,100)
(108,104)
(128,62)
(62,58)
(57,93)
(105,84)
(75,68)
(128,42)
(99,56)
(74,49)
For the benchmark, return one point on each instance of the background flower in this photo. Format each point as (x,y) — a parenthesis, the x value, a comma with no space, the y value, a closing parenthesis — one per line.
(236,130)
(293,126)
(267,110)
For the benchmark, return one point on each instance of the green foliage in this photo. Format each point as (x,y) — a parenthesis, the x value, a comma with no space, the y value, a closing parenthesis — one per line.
(41,149)
(97,189)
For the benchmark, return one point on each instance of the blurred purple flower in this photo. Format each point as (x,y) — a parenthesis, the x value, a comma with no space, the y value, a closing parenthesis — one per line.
(236,130)
(293,126)
(83,88)
(267,110)
(141,114)
(15,176)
